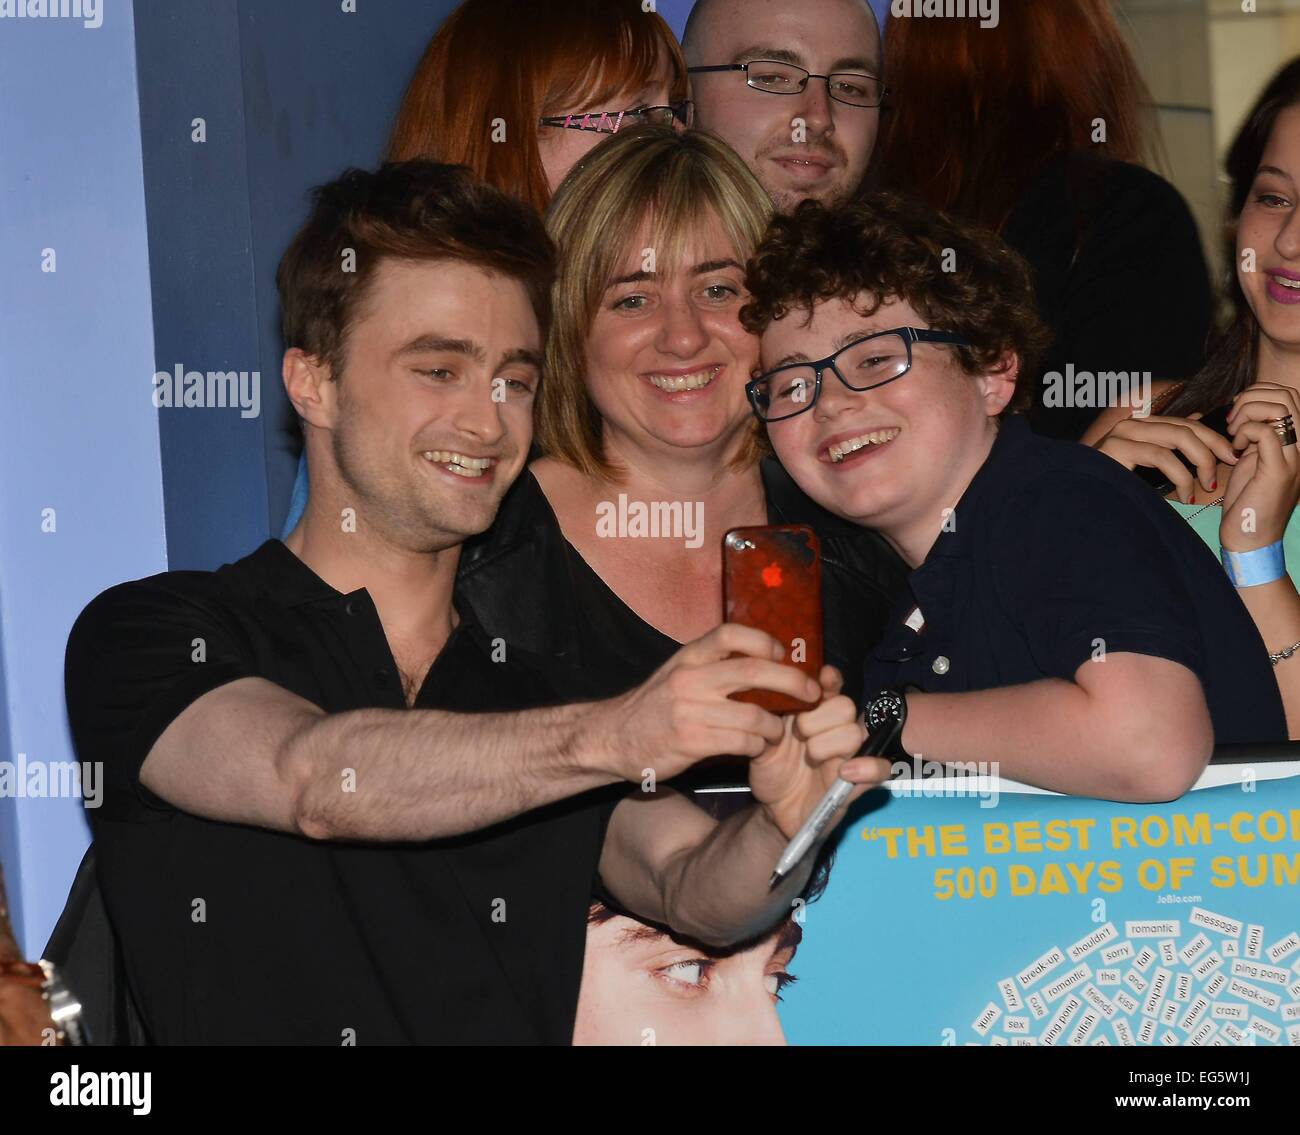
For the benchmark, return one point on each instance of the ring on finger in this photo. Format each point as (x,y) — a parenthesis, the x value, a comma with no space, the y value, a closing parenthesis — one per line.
(1285,429)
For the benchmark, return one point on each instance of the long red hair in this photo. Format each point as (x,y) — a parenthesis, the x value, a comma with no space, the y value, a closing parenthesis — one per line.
(504,64)
(976,113)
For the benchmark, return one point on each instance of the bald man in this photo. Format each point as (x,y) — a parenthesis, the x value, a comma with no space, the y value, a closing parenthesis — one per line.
(748,59)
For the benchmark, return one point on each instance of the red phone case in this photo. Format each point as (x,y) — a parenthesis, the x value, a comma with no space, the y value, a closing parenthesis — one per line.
(772,580)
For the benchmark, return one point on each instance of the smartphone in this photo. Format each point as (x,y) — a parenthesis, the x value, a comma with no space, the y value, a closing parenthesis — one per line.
(772,580)
(1158,479)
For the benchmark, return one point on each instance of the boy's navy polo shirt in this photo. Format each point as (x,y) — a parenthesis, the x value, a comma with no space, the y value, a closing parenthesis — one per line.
(1056,553)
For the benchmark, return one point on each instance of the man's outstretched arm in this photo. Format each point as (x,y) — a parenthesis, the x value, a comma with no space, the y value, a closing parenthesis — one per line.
(251,752)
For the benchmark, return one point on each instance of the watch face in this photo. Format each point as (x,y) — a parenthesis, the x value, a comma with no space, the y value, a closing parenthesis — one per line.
(885,707)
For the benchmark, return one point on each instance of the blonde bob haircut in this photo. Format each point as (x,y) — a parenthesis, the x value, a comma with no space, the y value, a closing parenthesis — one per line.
(682,182)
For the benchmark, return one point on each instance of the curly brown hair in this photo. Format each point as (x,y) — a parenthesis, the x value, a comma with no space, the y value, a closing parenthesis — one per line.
(958,277)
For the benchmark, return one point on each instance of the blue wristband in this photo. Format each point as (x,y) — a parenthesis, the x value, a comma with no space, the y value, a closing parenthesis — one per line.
(1250,569)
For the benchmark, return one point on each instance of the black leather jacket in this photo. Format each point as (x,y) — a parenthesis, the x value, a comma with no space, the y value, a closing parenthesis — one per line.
(517,578)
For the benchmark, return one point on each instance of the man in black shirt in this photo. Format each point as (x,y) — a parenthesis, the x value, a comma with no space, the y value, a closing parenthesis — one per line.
(327,817)
(1061,620)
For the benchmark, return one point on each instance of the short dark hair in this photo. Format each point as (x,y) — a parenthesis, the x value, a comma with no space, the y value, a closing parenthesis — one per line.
(957,276)
(413,210)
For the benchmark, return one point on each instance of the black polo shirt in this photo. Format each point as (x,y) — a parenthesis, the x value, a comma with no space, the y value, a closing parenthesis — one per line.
(234,934)
(1056,553)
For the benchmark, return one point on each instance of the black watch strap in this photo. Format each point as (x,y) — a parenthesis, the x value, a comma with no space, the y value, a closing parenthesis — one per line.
(884,716)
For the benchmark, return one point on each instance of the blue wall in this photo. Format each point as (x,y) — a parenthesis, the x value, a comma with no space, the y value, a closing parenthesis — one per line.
(78,430)
(290,93)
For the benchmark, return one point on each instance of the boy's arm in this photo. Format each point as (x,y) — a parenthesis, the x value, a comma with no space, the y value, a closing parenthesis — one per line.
(1129,727)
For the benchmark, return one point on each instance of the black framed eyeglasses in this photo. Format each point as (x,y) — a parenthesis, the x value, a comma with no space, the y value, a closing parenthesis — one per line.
(853,88)
(612,121)
(864,364)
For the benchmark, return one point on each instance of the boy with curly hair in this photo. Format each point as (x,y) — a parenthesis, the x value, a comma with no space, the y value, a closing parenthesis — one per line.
(1060,619)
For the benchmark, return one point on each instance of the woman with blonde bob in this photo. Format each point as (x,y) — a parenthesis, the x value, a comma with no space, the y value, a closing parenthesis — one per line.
(606,555)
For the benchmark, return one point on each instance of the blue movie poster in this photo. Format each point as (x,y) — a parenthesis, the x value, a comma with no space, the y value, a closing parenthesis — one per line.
(1010,917)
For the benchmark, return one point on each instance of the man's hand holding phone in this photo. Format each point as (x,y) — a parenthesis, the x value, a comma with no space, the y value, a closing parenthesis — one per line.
(684,711)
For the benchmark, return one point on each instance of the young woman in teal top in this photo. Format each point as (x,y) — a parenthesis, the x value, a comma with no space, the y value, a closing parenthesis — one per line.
(1242,495)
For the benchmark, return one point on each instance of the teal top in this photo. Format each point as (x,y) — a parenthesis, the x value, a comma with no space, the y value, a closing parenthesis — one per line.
(1205,521)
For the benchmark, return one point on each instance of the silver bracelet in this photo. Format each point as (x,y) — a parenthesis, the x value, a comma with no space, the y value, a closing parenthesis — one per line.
(1284,654)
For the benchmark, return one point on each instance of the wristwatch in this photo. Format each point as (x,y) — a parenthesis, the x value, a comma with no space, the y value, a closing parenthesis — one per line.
(64,1008)
(884,716)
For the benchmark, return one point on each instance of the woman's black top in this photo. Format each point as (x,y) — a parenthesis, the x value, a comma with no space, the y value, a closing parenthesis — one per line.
(528,586)
(1120,278)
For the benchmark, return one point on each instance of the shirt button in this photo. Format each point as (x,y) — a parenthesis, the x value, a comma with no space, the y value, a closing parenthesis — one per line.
(383,674)
(350,607)
(940,665)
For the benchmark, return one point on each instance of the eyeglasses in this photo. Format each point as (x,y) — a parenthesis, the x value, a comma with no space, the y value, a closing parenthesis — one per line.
(611,121)
(871,361)
(850,87)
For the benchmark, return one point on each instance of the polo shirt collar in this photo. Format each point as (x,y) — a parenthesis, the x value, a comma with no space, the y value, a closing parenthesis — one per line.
(932,587)
(286,579)
(283,577)
(989,482)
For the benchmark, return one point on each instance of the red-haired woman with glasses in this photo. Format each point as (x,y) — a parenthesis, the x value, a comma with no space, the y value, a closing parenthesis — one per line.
(519,92)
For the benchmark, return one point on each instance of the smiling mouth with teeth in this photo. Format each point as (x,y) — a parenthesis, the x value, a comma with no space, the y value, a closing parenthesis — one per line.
(674,384)
(842,449)
(459,463)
